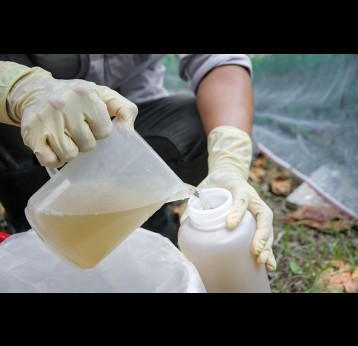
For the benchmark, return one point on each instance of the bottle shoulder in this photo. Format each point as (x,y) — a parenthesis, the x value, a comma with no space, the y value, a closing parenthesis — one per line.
(242,234)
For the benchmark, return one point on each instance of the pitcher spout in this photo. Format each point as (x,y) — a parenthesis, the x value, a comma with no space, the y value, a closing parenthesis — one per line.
(185,192)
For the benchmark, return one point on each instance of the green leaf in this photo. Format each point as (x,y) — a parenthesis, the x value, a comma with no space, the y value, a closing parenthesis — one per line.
(295,268)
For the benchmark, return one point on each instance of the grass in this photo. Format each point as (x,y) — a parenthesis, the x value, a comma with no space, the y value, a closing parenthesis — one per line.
(302,253)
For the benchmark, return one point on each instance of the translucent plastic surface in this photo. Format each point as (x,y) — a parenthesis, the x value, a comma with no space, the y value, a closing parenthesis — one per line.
(97,200)
(144,262)
(222,257)
(306,118)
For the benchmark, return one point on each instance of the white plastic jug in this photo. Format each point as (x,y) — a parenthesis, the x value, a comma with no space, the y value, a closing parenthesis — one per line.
(221,256)
(97,200)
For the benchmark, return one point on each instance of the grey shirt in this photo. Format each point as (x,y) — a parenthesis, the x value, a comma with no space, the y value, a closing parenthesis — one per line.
(140,77)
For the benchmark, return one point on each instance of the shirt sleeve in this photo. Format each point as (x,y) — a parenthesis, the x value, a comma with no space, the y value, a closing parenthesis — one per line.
(10,73)
(194,67)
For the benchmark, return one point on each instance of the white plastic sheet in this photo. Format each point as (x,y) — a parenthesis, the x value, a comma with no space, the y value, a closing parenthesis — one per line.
(144,262)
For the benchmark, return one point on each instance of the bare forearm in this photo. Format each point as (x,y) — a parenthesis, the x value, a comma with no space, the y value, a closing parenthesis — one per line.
(225,97)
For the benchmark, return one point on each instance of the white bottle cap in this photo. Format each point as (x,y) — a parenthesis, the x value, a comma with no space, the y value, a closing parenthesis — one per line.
(210,219)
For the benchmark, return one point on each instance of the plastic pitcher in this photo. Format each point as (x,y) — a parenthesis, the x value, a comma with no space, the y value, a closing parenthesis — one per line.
(97,200)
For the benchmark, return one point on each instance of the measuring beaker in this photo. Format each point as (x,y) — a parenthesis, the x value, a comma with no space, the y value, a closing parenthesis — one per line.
(95,201)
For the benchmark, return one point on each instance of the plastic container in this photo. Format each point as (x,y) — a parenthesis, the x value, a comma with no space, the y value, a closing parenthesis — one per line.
(97,200)
(146,262)
(221,256)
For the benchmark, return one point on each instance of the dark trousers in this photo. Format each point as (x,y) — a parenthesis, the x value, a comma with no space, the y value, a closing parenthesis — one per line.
(170,125)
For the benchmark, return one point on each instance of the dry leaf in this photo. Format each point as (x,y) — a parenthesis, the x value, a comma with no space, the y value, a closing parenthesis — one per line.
(338,275)
(336,226)
(324,218)
(351,286)
(355,273)
(312,213)
(281,185)
(341,265)
(257,174)
(260,161)
(338,280)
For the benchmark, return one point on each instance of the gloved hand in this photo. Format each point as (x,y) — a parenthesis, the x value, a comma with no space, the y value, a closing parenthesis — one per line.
(230,153)
(59,118)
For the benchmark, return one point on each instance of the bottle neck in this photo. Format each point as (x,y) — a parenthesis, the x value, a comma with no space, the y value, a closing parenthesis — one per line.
(210,219)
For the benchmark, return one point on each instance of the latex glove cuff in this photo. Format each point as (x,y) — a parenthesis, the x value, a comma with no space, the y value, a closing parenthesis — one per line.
(10,73)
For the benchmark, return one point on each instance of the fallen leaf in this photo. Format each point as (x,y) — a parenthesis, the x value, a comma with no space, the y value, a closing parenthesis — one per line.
(313,213)
(281,185)
(323,218)
(338,277)
(257,174)
(336,226)
(351,286)
(338,280)
(260,161)
(355,273)
(341,265)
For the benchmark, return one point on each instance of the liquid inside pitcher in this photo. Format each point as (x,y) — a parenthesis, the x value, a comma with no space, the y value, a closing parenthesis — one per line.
(96,201)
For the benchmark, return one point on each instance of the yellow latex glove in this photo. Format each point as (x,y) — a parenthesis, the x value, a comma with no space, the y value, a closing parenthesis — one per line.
(230,153)
(59,118)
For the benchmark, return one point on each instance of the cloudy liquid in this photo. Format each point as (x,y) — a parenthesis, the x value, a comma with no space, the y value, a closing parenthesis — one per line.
(84,239)
(205,202)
